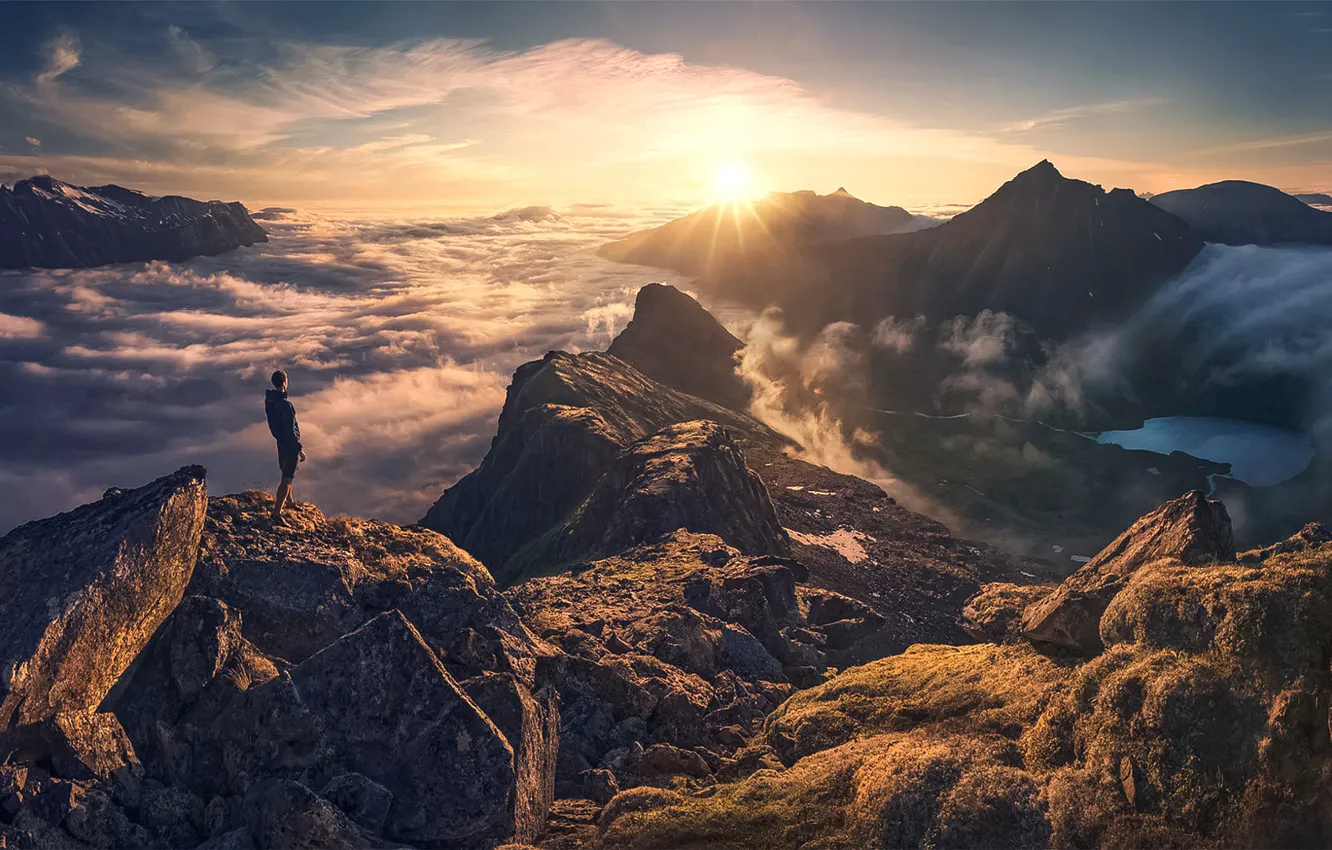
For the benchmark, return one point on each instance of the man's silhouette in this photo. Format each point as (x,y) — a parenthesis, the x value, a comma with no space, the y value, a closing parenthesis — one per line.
(282,424)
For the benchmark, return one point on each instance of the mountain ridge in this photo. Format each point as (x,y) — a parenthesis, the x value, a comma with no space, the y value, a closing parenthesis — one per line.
(48,223)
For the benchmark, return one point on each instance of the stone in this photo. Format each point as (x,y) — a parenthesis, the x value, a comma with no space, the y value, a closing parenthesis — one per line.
(531,724)
(1191,530)
(286,814)
(360,798)
(599,785)
(81,593)
(669,760)
(994,615)
(379,703)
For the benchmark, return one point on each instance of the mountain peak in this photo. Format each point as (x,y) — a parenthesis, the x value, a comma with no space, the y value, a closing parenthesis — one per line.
(674,340)
(842,193)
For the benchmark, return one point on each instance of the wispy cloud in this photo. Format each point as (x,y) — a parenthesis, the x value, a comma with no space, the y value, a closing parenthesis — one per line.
(1271,143)
(458,119)
(1062,117)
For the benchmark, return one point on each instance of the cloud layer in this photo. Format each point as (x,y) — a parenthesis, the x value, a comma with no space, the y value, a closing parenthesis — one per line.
(399,335)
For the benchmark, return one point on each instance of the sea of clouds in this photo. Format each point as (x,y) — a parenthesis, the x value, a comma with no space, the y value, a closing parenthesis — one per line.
(400,337)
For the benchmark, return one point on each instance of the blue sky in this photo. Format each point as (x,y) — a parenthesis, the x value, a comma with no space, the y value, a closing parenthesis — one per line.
(499,104)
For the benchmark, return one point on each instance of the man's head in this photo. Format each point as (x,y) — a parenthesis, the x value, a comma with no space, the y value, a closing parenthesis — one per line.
(280,380)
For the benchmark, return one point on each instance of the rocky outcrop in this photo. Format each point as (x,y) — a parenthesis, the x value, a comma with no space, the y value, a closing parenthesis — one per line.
(689,476)
(1236,212)
(673,340)
(301,587)
(1313,536)
(686,644)
(1202,723)
(46,223)
(81,593)
(565,420)
(1191,530)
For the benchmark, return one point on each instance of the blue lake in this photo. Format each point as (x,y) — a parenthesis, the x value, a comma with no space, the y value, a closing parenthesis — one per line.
(1259,455)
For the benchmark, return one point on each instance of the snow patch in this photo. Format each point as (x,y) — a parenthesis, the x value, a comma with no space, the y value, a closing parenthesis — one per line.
(844,541)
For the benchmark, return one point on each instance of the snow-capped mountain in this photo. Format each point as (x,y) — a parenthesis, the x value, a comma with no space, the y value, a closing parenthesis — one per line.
(47,223)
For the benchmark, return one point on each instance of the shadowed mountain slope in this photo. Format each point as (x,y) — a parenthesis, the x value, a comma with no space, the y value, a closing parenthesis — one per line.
(1236,212)
(778,223)
(47,223)
(672,339)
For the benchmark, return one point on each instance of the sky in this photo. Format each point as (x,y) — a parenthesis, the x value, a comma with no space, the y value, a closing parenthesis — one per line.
(472,108)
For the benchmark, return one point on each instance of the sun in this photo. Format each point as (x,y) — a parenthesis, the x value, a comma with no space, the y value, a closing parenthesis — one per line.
(732,182)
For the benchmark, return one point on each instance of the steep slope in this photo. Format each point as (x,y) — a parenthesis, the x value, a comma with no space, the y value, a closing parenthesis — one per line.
(1236,212)
(47,223)
(1057,253)
(672,339)
(779,223)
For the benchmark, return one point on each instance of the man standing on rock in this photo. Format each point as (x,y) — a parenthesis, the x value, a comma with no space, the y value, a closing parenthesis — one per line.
(282,423)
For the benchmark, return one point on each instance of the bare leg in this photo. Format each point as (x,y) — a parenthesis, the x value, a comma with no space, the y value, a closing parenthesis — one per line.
(283,495)
(291,499)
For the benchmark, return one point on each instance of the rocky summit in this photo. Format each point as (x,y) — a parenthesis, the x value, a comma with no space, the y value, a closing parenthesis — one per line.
(649,625)
(47,223)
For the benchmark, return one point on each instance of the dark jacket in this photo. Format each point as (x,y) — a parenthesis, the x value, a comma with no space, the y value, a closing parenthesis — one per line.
(282,419)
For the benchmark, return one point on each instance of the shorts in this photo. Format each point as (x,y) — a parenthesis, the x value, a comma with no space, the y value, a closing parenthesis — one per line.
(288,457)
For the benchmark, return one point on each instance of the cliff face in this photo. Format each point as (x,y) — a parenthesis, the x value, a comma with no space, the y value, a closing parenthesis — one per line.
(46,223)
(674,341)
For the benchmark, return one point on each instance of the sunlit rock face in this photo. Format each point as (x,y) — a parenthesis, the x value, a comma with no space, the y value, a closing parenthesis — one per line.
(81,593)
(47,223)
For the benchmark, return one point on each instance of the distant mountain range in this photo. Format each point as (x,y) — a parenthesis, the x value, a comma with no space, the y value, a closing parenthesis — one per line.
(1060,254)
(1236,212)
(47,223)
(1319,198)
(726,233)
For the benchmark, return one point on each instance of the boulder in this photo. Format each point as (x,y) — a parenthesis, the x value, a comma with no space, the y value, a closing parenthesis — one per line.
(81,593)
(531,724)
(672,339)
(170,699)
(994,615)
(1191,530)
(81,745)
(360,798)
(286,814)
(379,703)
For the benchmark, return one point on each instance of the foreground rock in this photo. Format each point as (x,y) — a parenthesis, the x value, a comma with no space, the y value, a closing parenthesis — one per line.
(673,340)
(378,703)
(47,223)
(1203,723)
(299,588)
(1189,529)
(81,593)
